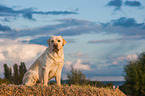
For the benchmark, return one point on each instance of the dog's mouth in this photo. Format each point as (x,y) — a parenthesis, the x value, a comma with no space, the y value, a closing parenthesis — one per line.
(55,49)
(55,46)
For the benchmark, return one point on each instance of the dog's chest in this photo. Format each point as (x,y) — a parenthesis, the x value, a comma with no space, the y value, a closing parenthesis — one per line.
(53,70)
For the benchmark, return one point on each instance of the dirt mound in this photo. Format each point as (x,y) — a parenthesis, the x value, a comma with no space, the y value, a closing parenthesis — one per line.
(52,90)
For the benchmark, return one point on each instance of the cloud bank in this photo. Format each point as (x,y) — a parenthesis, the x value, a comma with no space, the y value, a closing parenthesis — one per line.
(126,22)
(29,12)
(132,3)
(13,52)
(4,28)
(127,28)
(78,64)
(117,4)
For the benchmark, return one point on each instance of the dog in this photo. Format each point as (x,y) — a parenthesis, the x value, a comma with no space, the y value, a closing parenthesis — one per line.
(48,65)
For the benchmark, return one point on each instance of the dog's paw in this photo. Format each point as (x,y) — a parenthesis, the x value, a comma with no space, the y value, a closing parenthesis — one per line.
(58,84)
(45,85)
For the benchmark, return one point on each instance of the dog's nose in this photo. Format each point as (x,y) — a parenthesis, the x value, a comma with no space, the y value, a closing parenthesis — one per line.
(55,45)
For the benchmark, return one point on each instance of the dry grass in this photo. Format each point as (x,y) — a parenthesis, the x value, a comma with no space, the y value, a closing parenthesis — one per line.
(52,90)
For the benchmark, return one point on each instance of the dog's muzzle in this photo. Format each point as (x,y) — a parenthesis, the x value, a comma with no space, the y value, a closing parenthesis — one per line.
(55,46)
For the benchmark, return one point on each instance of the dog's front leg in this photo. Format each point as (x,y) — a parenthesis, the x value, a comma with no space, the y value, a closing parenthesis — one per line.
(58,78)
(45,75)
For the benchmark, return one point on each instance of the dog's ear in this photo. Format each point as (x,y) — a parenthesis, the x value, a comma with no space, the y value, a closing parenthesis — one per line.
(64,42)
(48,41)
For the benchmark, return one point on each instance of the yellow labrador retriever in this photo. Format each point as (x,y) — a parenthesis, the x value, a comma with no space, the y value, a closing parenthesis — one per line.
(48,65)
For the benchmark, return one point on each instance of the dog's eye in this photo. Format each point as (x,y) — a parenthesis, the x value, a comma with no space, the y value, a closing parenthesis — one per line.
(58,40)
(52,41)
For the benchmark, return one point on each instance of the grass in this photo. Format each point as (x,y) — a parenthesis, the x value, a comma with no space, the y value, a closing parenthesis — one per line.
(53,90)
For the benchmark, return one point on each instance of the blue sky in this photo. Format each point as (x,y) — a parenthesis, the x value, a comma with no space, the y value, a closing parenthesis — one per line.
(102,35)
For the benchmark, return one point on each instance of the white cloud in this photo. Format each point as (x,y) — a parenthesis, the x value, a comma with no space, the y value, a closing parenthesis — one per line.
(12,52)
(2,57)
(67,65)
(28,38)
(132,57)
(128,57)
(115,62)
(123,59)
(80,55)
(78,64)
(17,29)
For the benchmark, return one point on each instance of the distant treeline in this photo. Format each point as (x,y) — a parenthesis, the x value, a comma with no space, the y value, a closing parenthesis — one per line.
(18,72)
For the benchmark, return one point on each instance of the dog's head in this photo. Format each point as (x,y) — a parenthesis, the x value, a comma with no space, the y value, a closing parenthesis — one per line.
(56,43)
